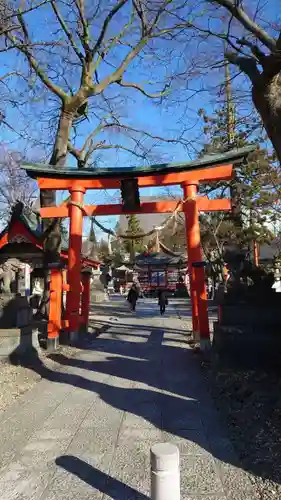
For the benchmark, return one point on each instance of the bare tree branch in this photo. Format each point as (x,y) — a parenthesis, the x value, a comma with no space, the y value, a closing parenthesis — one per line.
(138,4)
(256,51)
(12,73)
(136,86)
(121,126)
(111,44)
(7,29)
(118,73)
(83,156)
(119,146)
(85,35)
(7,13)
(233,6)
(106,23)
(67,32)
(23,47)
(247,64)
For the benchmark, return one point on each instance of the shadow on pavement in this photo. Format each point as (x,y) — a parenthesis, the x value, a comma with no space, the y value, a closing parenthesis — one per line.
(99,480)
(161,368)
(177,411)
(130,329)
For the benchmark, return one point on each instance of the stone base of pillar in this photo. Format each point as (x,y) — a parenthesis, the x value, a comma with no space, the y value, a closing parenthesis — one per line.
(52,344)
(73,338)
(83,330)
(99,296)
(205,345)
(196,336)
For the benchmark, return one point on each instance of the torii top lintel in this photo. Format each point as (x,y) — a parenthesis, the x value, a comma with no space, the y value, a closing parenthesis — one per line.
(205,169)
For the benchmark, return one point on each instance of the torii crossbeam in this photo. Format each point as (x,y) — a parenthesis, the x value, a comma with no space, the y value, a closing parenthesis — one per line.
(188,175)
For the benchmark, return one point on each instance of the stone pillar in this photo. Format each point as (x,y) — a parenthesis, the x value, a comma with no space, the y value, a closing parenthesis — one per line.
(27,279)
(98,293)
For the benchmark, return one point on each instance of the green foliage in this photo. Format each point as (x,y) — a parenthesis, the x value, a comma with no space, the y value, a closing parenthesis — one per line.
(118,250)
(134,228)
(253,187)
(63,231)
(103,252)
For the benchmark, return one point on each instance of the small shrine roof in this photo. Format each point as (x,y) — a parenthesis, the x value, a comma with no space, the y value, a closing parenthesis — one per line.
(26,224)
(159,259)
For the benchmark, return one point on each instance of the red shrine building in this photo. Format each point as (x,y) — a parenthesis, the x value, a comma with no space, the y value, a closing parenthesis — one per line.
(22,241)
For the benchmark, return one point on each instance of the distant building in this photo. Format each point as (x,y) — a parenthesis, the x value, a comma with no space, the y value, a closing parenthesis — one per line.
(147,221)
(159,270)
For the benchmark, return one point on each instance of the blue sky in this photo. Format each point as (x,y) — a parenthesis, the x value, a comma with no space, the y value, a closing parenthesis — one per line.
(178,113)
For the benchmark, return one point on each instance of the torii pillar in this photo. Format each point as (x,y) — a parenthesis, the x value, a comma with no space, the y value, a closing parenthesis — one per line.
(86,299)
(73,298)
(200,319)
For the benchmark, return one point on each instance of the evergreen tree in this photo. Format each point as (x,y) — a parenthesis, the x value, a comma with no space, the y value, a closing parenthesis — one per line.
(133,246)
(118,250)
(103,252)
(253,187)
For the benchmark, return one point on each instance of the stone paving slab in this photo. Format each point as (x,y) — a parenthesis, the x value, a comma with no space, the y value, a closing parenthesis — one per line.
(85,431)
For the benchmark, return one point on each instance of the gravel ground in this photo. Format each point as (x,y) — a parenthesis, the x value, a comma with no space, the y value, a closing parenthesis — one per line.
(250,405)
(14,381)
(17,379)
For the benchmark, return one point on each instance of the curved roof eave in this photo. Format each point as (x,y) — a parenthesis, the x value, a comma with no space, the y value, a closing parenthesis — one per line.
(36,170)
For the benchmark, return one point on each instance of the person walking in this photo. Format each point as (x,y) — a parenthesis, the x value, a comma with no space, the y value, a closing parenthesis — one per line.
(162,301)
(133,296)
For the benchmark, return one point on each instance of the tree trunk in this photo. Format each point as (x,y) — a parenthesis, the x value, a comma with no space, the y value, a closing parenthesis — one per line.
(51,227)
(48,198)
(266,94)
(59,154)
(235,194)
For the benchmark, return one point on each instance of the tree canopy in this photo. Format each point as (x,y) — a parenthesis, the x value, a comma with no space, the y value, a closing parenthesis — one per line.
(97,60)
(15,186)
(133,246)
(77,76)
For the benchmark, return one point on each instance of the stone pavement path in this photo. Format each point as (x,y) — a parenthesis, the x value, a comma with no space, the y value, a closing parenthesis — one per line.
(85,430)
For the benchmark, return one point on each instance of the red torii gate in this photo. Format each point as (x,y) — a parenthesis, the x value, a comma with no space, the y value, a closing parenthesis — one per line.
(188,175)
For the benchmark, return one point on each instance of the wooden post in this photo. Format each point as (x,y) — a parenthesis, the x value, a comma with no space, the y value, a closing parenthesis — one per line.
(85,302)
(55,309)
(256,253)
(74,260)
(200,320)
(191,270)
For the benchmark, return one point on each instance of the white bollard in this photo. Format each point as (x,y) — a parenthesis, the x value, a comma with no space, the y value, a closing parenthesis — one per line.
(165,472)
